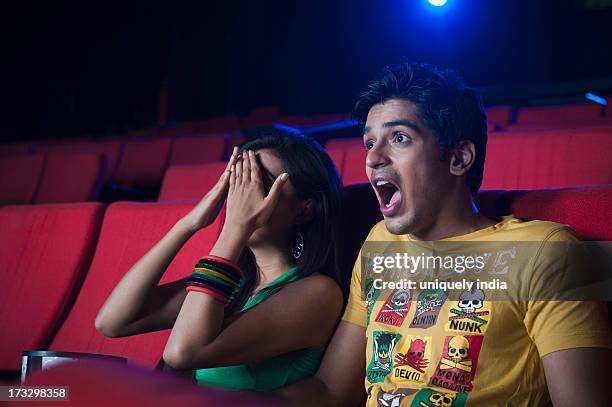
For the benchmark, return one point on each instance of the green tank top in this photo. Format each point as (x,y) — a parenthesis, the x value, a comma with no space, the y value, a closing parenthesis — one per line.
(269,374)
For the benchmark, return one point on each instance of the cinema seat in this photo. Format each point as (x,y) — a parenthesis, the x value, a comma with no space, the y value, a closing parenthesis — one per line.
(198,149)
(353,170)
(12,149)
(565,114)
(129,230)
(344,143)
(499,117)
(109,384)
(587,210)
(143,163)
(45,251)
(110,148)
(190,181)
(19,178)
(548,159)
(71,177)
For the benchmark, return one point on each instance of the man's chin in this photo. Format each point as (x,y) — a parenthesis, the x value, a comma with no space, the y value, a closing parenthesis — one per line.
(397,225)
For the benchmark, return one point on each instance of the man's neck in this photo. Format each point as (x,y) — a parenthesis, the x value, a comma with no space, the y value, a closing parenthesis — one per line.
(454,220)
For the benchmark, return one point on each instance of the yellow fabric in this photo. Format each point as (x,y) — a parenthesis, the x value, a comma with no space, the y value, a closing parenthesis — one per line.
(507,369)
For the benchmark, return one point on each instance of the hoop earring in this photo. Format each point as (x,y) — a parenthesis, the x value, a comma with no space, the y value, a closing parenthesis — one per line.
(297,245)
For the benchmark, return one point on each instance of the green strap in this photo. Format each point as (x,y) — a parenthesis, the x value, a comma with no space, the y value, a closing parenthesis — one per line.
(289,276)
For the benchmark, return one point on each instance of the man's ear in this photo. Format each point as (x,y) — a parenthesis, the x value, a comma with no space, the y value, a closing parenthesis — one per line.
(306,213)
(462,157)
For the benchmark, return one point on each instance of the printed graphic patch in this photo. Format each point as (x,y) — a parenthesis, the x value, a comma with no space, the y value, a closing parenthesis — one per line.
(411,361)
(383,343)
(430,398)
(394,398)
(457,366)
(428,308)
(471,314)
(371,295)
(395,309)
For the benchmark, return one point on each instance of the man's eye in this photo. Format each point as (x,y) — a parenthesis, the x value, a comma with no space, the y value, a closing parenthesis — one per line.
(401,138)
(369,144)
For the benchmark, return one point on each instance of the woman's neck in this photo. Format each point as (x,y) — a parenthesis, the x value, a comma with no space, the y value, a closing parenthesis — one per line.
(272,262)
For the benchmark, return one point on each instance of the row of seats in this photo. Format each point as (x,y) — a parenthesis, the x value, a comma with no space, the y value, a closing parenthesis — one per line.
(74,171)
(61,261)
(539,159)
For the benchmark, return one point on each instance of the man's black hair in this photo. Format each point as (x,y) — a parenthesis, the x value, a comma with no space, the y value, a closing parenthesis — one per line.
(452,110)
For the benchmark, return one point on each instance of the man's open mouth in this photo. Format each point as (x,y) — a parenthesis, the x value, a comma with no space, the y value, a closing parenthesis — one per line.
(389,194)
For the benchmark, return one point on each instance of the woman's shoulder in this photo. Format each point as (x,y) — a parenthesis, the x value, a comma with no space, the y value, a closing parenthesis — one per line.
(317,286)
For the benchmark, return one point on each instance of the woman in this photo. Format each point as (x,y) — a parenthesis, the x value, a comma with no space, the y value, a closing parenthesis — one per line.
(259,310)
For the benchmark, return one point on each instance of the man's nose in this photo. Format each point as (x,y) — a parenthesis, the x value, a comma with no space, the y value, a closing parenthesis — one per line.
(377,156)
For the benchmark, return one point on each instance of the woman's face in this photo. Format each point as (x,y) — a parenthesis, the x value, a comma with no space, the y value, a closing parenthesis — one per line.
(281,223)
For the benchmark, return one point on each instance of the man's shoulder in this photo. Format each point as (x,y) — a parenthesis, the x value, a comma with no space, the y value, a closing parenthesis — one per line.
(536,230)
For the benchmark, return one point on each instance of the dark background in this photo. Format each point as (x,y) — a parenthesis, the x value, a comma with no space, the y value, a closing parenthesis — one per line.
(74,67)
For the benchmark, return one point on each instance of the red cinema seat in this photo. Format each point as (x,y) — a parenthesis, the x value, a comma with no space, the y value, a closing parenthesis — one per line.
(344,143)
(11,149)
(71,177)
(198,149)
(111,149)
(337,156)
(565,114)
(44,251)
(190,181)
(353,170)
(143,163)
(93,383)
(586,210)
(19,178)
(499,117)
(129,230)
(548,159)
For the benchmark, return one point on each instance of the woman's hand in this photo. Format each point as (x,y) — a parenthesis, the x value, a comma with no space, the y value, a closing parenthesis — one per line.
(247,206)
(207,210)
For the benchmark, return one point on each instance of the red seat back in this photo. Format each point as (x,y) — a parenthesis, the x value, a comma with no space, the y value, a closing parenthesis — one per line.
(586,210)
(353,170)
(559,114)
(548,159)
(190,181)
(499,117)
(44,251)
(129,230)
(19,178)
(198,149)
(70,177)
(143,163)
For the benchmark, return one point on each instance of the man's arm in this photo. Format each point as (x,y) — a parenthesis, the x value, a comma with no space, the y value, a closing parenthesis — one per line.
(579,377)
(339,380)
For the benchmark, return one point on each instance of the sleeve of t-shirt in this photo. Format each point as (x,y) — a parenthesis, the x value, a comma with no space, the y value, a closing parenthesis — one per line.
(355,311)
(555,325)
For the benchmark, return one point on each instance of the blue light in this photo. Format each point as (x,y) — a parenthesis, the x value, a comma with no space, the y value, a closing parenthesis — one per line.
(596,99)
(437,3)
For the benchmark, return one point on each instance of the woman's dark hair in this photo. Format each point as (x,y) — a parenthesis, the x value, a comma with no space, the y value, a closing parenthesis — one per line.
(313,176)
(448,107)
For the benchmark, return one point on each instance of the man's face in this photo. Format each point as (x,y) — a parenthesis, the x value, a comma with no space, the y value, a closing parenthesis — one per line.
(403,164)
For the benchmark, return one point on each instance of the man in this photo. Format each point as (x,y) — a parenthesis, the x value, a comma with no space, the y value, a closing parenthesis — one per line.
(425,136)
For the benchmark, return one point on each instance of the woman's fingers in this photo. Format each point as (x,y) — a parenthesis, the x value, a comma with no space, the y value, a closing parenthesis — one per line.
(255,171)
(246,167)
(238,170)
(272,199)
(232,178)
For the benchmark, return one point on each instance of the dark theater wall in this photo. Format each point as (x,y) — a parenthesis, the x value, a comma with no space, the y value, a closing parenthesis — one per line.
(70,68)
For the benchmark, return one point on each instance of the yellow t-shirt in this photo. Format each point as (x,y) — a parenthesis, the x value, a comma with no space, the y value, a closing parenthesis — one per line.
(435,359)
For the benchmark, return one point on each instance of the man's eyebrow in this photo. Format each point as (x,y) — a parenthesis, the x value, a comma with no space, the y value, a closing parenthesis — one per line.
(395,123)
(401,122)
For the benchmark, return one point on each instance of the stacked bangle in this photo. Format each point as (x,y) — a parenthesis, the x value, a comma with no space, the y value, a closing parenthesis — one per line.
(216,277)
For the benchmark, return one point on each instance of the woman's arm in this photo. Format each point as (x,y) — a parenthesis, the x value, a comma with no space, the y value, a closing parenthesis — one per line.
(137,304)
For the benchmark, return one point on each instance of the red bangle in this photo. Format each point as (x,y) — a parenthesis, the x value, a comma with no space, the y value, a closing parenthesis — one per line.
(210,292)
(225,262)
